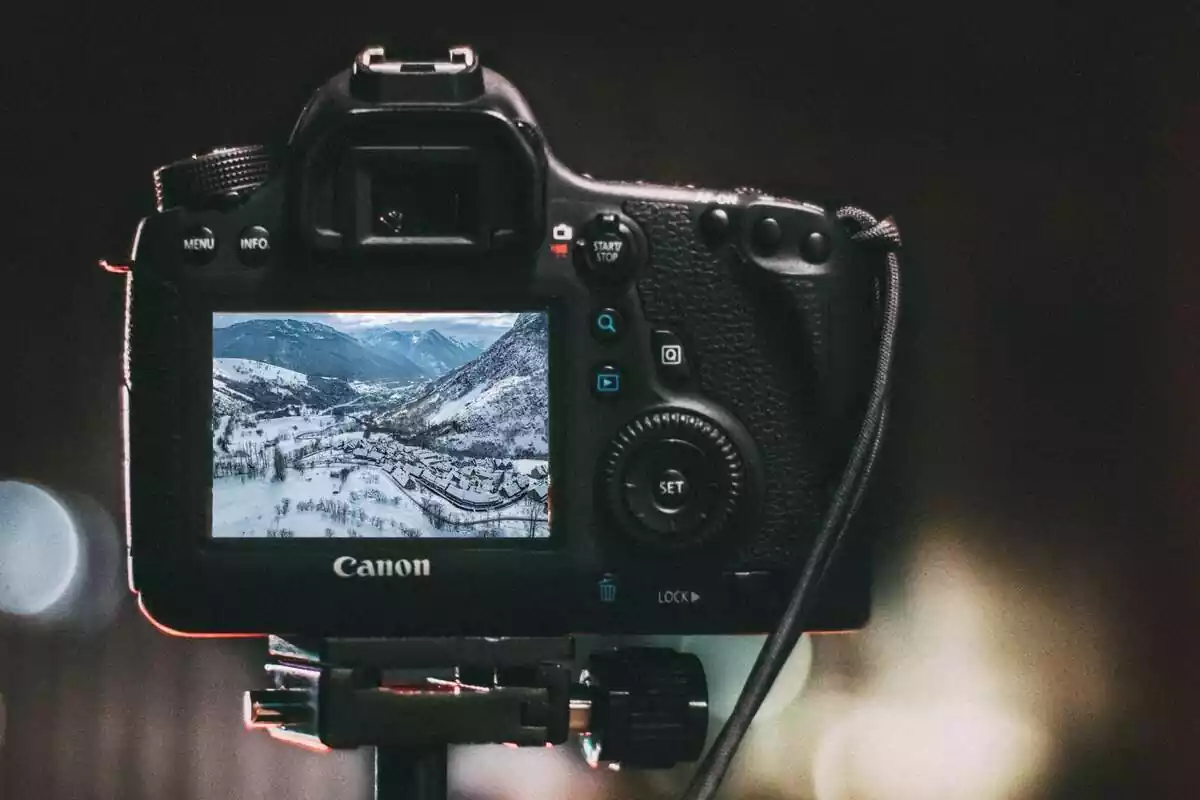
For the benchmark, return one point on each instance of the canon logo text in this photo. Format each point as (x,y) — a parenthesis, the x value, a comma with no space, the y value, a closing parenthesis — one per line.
(350,567)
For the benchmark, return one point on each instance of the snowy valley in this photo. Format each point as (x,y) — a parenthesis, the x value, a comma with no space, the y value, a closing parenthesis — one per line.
(386,433)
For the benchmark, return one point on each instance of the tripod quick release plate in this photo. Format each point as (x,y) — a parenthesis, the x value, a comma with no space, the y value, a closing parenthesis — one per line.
(640,707)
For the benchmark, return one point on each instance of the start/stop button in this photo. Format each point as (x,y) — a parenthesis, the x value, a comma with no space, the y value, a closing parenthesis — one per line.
(607,248)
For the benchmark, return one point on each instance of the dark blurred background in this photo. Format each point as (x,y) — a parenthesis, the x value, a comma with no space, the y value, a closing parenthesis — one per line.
(1034,633)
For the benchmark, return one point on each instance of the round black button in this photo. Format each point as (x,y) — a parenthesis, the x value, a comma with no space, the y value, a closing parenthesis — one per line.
(672,489)
(606,246)
(815,248)
(768,235)
(254,246)
(199,245)
(607,324)
(714,225)
(668,486)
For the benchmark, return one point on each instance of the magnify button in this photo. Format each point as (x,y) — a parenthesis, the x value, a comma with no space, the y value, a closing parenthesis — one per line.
(607,324)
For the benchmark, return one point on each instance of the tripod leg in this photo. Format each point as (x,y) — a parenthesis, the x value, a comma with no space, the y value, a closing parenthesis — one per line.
(410,773)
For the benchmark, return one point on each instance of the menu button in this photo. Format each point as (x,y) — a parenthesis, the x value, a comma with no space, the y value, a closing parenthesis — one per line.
(199,245)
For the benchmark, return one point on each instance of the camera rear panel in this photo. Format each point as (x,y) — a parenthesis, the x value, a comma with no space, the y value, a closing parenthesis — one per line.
(633,424)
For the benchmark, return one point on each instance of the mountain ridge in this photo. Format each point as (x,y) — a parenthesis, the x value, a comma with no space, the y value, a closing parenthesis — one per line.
(498,399)
(240,384)
(311,348)
(430,349)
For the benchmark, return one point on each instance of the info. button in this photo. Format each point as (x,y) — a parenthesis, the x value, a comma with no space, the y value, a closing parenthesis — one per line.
(254,246)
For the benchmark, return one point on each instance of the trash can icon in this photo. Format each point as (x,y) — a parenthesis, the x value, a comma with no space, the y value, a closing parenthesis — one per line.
(608,589)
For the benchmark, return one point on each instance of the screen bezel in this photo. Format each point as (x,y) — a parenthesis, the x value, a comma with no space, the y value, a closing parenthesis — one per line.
(196,398)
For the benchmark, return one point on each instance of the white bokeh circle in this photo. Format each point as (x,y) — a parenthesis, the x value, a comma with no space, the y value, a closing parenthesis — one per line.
(39,549)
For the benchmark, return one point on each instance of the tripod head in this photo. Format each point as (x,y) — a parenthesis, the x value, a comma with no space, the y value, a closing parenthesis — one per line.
(639,707)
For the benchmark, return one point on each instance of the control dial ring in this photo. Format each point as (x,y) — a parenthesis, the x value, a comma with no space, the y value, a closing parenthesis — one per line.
(198,180)
(672,479)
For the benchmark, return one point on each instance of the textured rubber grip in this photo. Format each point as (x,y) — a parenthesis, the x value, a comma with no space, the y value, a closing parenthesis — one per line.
(759,342)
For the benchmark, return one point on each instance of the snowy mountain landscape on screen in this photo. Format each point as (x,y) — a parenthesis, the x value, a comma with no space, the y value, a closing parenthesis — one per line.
(311,348)
(431,350)
(242,384)
(367,430)
(494,405)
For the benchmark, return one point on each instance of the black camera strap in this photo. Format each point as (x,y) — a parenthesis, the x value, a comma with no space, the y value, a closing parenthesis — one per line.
(846,499)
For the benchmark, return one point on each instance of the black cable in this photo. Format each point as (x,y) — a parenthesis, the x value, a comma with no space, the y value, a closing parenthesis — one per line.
(864,482)
(780,643)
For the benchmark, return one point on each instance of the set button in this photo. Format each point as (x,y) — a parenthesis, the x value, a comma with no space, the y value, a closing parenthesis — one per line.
(669,486)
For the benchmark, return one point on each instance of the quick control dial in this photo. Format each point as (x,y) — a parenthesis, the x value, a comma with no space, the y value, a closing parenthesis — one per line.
(672,479)
(197,180)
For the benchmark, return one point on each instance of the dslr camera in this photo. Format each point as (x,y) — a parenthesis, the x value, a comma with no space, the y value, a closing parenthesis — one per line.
(411,376)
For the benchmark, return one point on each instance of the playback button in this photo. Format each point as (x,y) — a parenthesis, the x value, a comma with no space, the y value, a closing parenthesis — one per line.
(606,381)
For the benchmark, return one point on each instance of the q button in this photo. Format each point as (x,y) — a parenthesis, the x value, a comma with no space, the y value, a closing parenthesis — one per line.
(607,324)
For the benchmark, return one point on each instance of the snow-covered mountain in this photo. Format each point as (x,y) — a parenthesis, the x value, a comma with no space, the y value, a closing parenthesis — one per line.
(241,384)
(311,349)
(432,350)
(498,402)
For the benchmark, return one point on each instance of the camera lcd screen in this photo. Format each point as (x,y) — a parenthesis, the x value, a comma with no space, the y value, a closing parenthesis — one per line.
(427,425)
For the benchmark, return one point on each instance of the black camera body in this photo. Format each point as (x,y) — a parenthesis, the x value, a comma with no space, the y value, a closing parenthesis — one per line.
(414,377)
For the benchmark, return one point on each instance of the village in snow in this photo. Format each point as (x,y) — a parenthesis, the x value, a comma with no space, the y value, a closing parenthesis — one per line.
(456,456)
